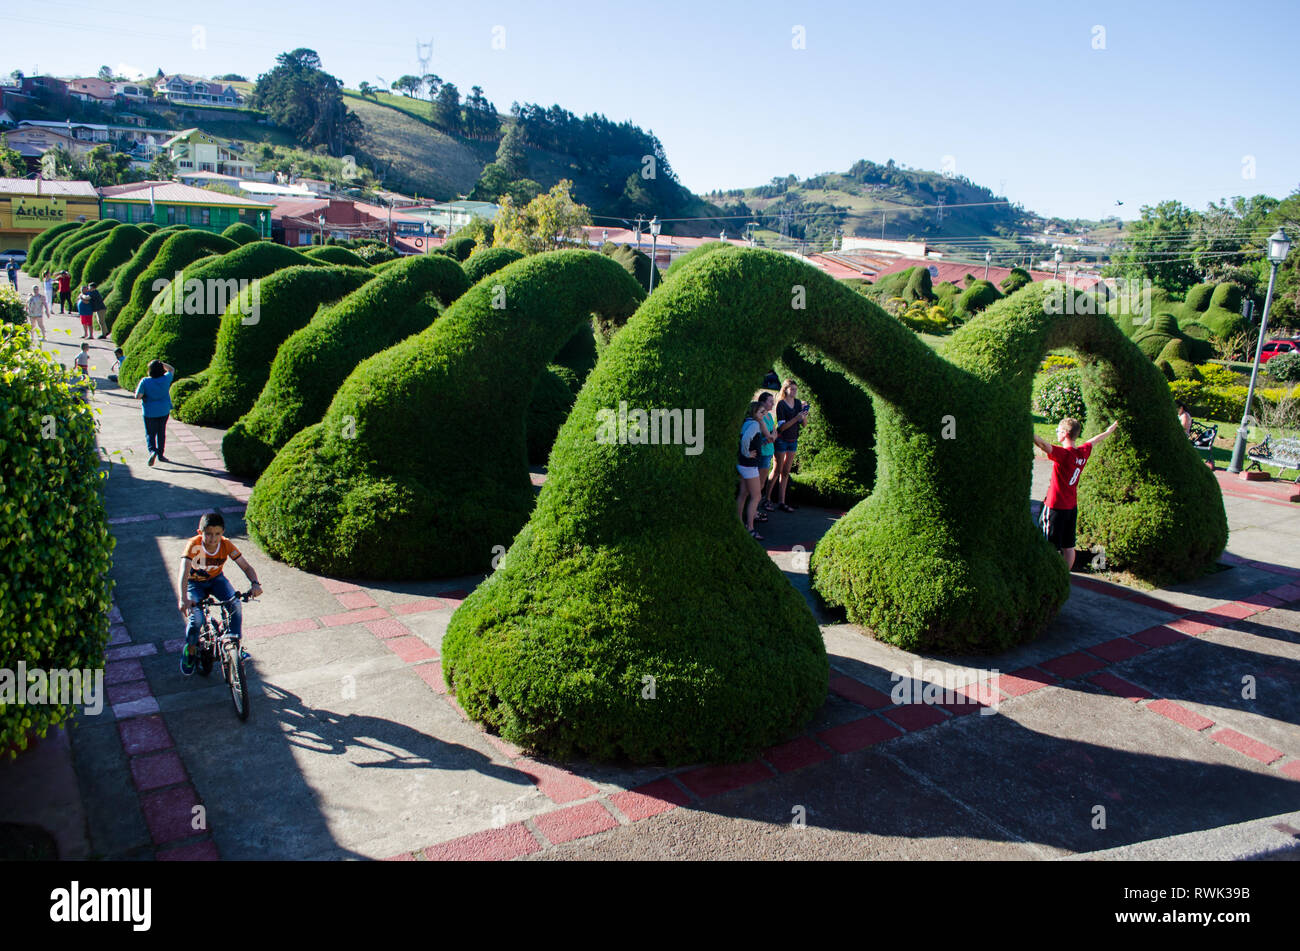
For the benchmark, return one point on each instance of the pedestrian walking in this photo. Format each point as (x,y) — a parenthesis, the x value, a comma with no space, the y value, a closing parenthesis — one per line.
(48,283)
(154,393)
(64,282)
(11,271)
(38,308)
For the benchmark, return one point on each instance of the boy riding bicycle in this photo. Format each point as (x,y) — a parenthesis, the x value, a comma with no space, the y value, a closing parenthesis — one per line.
(201,575)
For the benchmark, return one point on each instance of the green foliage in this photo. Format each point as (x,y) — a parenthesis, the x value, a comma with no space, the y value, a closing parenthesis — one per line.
(312,364)
(918,285)
(1061,395)
(12,308)
(458,248)
(1055,362)
(548,407)
(38,251)
(485,261)
(74,243)
(122,281)
(302,97)
(1226,297)
(241,233)
(55,547)
(1284,367)
(181,325)
(79,261)
(1198,297)
(1017,279)
(339,256)
(374,253)
(637,263)
(116,249)
(178,251)
(287,299)
(975,298)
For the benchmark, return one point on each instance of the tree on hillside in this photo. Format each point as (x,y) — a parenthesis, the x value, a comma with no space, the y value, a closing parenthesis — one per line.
(57,162)
(231,78)
(11,161)
(446,109)
(1286,292)
(408,85)
(105,167)
(550,221)
(163,167)
(512,155)
(302,97)
(431,84)
(481,119)
(105,74)
(1157,248)
(367,91)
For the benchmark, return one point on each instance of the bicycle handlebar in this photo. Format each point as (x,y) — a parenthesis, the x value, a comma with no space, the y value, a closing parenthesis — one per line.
(241,595)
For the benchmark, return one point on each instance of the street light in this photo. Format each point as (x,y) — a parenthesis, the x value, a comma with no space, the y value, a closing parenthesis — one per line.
(265,233)
(723,235)
(321,219)
(654,249)
(428,230)
(1057,257)
(988,259)
(1279,245)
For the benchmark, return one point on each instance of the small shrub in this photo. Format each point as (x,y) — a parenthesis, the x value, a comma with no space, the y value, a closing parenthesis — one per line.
(1054,362)
(1285,367)
(1017,279)
(1061,395)
(12,308)
(1216,374)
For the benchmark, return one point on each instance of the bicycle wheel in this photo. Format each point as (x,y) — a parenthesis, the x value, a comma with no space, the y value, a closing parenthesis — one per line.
(238,682)
(205,654)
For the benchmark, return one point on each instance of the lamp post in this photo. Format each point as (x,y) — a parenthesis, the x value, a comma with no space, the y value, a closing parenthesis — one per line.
(265,233)
(723,235)
(321,220)
(988,259)
(1279,245)
(1057,258)
(654,247)
(428,230)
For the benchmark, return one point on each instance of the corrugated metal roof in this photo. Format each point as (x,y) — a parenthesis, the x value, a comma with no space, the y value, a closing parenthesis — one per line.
(171,192)
(27,186)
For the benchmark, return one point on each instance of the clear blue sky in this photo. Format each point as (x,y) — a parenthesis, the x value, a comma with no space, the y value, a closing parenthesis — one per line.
(1014,93)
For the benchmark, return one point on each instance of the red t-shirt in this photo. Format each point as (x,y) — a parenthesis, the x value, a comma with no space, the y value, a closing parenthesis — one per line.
(1067,465)
(65,283)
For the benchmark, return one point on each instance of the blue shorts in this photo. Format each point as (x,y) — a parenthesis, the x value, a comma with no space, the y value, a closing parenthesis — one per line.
(782,446)
(764,462)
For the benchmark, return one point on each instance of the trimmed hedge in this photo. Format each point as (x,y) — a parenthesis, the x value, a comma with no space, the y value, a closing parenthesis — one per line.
(548,407)
(287,299)
(975,298)
(117,248)
(1198,297)
(330,254)
(241,233)
(637,263)
(836,461)
(79,262)
(55,547)
(49,253)
(458,249)
(40,247)
(1015,280)
(122,281)
(310,366)
(486,261)
(71,245)
(187,339)
(918,285)
(178,251)
(348,496)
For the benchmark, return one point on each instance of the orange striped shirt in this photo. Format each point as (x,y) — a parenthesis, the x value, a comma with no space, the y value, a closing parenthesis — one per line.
(204,565)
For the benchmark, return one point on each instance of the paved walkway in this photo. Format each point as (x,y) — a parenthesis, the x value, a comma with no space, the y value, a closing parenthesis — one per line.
(1163,723)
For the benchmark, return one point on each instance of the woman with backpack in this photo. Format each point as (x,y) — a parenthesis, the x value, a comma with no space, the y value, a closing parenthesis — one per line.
(747,460)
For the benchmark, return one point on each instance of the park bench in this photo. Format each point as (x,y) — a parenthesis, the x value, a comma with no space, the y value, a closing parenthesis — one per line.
(1283,453)
(1202,437)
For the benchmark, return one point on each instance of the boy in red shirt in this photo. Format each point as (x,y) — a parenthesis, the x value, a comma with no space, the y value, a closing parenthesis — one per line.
(201,565)
(1060,508)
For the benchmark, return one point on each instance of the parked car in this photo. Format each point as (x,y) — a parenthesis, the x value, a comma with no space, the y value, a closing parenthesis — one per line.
(1281,345)
(15,255)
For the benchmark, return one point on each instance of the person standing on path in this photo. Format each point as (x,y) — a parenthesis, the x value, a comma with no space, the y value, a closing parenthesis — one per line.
(85,310)
(48,283)
(98,308)
(11,271)
(64,281)
(155,393)
(791,415)
(1061,507)
(38,308)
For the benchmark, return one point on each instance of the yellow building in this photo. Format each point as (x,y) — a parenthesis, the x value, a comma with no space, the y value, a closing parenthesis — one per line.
(29,206)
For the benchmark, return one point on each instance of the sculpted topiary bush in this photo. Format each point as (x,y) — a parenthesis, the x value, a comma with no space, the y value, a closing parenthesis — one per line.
(121,282)
(287,299)
(485,261)
(55,547)
(181,325)
(40,247)
(975,298)
(637,263)
(348,496)
(178,250)
(330,254)
(918,285)
(116,249)
(548,407)
(70,246)
(241,233)
(1017,279)
(458,249)
(310,366)
(79,261)
(1198,297)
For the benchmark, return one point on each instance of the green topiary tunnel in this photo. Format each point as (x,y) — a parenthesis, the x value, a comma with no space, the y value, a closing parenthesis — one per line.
(419,467)
(633,617)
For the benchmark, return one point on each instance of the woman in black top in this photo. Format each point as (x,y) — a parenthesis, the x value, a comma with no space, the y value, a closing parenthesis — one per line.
(791,415)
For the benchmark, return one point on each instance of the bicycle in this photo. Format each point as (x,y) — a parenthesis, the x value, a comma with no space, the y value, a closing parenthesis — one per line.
(216,643)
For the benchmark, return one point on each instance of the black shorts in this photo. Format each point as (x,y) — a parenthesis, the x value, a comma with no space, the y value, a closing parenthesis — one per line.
(1058,526)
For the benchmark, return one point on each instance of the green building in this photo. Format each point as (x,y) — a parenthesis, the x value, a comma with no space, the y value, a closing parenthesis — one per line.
(171,203)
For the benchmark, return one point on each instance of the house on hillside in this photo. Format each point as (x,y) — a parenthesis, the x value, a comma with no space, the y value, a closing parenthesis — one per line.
(193,150)
(190,91)
(132,92)
(91,89)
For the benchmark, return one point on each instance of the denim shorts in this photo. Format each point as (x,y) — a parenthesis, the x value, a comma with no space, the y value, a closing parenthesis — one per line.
(764,462)
(782,446)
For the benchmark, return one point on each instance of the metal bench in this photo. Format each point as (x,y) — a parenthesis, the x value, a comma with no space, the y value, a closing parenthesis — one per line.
(1203,437)
(1283,453)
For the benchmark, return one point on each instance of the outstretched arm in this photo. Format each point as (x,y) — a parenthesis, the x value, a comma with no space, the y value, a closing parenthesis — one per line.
(1042,443)
(1103,434)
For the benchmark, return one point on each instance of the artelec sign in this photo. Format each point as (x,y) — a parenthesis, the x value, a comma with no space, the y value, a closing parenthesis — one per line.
(39,212)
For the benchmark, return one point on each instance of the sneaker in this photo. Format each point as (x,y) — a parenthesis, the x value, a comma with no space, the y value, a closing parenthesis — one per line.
(162,458)
(153,457)
(187,660)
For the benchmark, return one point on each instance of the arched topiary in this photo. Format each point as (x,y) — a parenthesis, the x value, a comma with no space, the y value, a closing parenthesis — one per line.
(241,233)
(975,298)
(74,243)
(548,407)
(1227,296)
(148,227)
(181,325)
(178,251)
(485,261)
(117,248)
(287,299)
(79,261)
(836,458)
(393,513)
(310,366)
(458,249)
(334,255)
(40,247)
(1198,297)
(122,281)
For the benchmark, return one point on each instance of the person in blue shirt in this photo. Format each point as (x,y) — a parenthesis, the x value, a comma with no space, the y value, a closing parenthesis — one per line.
(154,391)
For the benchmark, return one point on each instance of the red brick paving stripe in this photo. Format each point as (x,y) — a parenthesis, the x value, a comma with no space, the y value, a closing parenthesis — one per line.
(169,813)
(334,586)
(1023,681)
(231,509)
(508,749)
(153,772)
(575,822)
(135,708)
(1292,769)
(144,735)
(1071,665)
(129,651)
(431,674)
(1244,744)
(1276,569)
(194,852)
(1121,648)
(1285,594)
(353,617)
(508,842)
(859,693)
(1120,687)
(191,513)
(858,735)
(798,753)
(122,671)
(1180,714)
(126,692)
(388,627)
(707,781)
(353,600)
(117,634)
(173,645)
(411,649)
(650,799)
(1159,636)
(416,607)
(404,857)
(915,716)
(1235,610)
(283,627)
(558,785)
(453,598)
(1149,602)
(128,519)
(1190,626)
(976,696)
